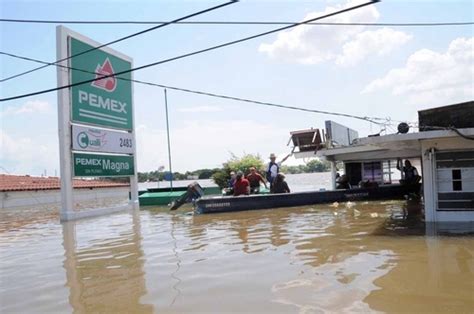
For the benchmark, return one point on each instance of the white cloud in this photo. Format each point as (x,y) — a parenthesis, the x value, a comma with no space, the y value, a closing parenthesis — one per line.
(346,45)
(25,155)
(207,143)
(371,42)
(32,106)
(432,77)
(201,109)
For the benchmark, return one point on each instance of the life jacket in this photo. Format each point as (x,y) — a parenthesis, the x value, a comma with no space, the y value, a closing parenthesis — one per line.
(269,173)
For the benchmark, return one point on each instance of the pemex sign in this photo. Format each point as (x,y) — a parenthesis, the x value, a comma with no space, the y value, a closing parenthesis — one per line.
(95,120)
(96,165)
(106,102)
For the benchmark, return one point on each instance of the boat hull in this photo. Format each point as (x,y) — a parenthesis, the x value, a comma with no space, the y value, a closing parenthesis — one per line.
(251,202)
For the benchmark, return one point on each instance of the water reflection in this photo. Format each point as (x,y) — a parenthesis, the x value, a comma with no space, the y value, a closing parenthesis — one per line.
(351,257)
(347,257)
(105,274)
(174,275)
(432,274)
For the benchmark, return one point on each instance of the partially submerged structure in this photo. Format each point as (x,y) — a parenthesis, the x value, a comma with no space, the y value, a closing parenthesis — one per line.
(28,191)
(444,147)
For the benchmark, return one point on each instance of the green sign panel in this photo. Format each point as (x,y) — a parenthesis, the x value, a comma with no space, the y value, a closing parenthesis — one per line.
(93,165)
(106,102)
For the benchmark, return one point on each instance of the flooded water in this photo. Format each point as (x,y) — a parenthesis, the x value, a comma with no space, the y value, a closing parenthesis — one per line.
(347,257)
(296,182)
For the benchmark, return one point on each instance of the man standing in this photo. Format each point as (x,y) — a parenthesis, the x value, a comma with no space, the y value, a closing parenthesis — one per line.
(274,167)
(409,173)
(255,178)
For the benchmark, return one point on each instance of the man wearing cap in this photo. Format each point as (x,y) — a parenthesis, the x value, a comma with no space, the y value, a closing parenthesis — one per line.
(274,167)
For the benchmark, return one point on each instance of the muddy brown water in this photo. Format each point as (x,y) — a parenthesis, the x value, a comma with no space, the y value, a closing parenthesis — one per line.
(347,257)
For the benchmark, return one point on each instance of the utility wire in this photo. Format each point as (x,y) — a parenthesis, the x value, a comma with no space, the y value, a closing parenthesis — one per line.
(230,43)
(387,121)
(233,23)
(122,39)
(446,128)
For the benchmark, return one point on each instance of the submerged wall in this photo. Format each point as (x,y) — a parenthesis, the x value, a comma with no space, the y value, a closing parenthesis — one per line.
(82,197)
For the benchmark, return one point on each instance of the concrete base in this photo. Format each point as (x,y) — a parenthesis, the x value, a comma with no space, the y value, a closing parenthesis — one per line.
(452,227)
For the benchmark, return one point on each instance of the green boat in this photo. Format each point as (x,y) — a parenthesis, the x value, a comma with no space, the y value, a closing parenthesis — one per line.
(165,196)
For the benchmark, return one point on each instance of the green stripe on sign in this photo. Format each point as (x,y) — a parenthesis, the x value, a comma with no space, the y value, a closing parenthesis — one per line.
(93,165)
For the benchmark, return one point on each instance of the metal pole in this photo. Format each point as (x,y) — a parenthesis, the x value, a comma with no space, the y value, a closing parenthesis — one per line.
(169,145)
(333,174)
(64,130)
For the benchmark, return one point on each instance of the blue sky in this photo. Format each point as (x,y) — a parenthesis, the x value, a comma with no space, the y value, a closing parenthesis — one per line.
(368,71)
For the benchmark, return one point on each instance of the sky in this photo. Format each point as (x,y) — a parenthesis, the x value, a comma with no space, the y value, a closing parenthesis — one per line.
(387,71)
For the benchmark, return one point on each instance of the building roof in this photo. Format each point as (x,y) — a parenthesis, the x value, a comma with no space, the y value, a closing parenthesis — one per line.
(385,147)
(29,183)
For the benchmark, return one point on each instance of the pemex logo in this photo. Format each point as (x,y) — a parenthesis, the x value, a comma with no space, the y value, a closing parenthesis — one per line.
(108,84)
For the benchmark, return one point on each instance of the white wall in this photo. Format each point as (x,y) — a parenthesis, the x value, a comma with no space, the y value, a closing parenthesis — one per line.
(429,178)
(82,197)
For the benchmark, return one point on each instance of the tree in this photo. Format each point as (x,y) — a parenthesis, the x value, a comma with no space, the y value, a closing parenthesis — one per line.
(317,166)
(206,173)
(235,163)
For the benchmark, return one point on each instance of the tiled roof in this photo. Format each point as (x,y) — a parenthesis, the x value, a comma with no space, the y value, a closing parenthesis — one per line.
(28,183)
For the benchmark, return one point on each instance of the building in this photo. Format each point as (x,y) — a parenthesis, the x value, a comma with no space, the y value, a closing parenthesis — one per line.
(444,148)
(29,191)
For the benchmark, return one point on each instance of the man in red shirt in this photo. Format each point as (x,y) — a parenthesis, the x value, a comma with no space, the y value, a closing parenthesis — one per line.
(254,179)
(241,185)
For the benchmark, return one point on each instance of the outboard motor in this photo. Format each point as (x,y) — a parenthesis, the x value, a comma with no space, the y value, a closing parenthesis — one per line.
(194,192)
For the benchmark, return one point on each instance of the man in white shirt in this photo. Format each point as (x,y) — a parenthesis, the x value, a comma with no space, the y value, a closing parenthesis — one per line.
(273,167)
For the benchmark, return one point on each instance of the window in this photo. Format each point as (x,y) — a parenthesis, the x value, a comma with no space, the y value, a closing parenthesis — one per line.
(373,171)
(457,180)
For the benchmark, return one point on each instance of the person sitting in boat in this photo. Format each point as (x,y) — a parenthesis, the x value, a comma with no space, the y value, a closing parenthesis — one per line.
(229,190)
(409,173)
(254,179)
(279,185)
(342,183)
(241,185)
(368,184)
(274,167)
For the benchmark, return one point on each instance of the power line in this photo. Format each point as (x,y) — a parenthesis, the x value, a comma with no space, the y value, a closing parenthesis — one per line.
(123,38)
(365,118)
(232,23)
(191,53)
(446,128)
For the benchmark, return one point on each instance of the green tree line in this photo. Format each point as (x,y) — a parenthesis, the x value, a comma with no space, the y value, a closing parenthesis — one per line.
(222,175)
(245,162)
(160,175)
(311,166)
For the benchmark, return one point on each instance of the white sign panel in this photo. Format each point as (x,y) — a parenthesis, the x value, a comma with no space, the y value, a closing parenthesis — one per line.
(340,135)
(100,140)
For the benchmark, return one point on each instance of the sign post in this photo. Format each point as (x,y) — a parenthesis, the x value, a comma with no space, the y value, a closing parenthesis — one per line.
(96,121)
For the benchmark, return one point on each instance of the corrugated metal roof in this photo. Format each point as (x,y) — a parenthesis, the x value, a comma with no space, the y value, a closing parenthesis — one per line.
(29,183)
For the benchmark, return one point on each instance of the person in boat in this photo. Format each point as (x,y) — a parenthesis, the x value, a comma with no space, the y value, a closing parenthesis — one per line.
(241,185)
(367,184)
(254,179)
(409,173)
(342,183)
(229,190)
(273,168)
(279,185)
